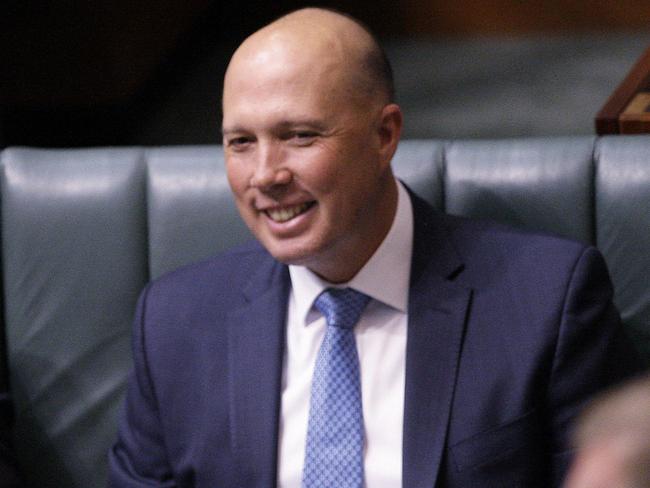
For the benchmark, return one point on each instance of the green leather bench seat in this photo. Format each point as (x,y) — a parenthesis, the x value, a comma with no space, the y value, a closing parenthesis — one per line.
(84,230)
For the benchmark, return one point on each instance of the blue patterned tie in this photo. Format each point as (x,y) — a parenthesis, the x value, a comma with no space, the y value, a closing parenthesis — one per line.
(334,452)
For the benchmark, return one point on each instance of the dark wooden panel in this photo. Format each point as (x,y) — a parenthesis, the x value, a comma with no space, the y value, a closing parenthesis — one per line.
(472,17)
(637,80)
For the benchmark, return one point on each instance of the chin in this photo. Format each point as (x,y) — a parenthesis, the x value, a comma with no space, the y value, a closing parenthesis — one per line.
(290,254)
(293,258)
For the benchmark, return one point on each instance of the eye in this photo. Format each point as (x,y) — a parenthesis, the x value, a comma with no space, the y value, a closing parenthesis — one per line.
(303,137)
(239,143)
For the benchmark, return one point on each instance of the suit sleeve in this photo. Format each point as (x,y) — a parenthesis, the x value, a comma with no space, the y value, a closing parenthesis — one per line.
(592,352)
(138,458)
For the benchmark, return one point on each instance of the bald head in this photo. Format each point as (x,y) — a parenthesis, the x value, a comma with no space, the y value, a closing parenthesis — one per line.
(325,39)
(308,134)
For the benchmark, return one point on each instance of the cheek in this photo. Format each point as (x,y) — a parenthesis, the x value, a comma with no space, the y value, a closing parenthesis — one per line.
(237,178)
(327,167)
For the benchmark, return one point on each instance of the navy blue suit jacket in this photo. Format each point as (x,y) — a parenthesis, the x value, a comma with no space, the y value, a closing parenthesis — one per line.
(509,333)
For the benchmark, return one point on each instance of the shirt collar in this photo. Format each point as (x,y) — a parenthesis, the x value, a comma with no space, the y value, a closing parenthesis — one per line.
(385,277)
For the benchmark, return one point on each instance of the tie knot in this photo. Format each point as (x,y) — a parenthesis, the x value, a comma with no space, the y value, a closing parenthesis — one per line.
(341,307)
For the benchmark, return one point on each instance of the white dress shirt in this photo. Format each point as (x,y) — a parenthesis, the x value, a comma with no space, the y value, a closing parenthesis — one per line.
(381,342)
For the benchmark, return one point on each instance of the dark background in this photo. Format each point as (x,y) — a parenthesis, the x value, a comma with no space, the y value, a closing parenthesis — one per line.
(127,72)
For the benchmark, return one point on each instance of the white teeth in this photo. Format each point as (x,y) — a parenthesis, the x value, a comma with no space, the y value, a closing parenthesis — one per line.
(287,213)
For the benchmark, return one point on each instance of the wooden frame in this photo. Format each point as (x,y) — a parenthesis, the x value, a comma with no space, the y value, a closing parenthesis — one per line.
(619,114)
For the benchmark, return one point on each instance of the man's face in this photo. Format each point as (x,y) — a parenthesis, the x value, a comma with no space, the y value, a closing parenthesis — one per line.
(303,161)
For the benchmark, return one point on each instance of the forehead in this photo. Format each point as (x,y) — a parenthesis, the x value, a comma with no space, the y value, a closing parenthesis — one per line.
(286,82)
(270,69)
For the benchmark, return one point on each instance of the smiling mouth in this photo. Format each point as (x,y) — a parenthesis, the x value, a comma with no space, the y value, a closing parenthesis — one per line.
(285,214)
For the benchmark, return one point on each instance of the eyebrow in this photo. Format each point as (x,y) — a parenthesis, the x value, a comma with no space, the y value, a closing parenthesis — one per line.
(283,125)
(312,123)
(230,130)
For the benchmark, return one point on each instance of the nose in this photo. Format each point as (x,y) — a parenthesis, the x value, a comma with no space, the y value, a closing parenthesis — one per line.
(269,170)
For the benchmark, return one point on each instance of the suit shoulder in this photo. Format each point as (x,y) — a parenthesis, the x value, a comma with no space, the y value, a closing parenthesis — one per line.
(520,256)
(489,234)
(469,235)
(229,270)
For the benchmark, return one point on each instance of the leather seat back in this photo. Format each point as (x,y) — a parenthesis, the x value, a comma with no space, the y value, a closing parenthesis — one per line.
(84,230)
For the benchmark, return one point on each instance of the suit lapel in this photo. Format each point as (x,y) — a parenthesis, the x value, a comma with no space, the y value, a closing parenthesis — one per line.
(437,312)
(256,348)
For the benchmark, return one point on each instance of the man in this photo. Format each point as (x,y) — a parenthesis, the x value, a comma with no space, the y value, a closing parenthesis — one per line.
(613,440)
(474,346)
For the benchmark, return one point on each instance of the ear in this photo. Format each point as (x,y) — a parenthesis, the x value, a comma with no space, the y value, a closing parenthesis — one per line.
(390,131)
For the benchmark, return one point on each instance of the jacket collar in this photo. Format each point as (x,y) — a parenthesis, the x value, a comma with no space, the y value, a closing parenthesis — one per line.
(437,312)
(256,351)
